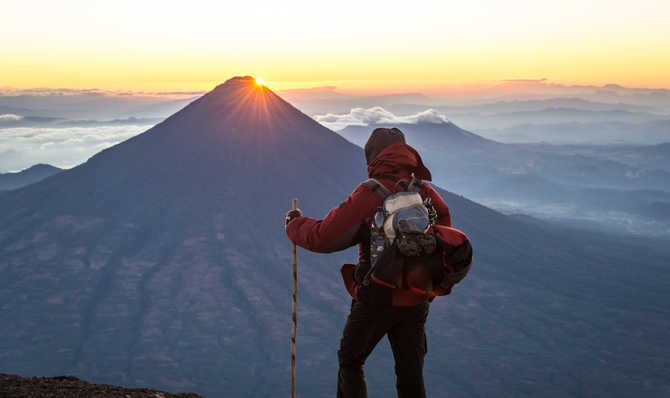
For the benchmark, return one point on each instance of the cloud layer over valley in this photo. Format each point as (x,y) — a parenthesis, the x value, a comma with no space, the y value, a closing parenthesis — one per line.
(22,147)
(64,127)
(377,115)
(10,117)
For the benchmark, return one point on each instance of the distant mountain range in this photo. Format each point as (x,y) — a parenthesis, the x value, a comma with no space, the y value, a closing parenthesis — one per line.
(623,187)
(427,136)
(650,157)
(594,133)
(40,121)
(553,116)
(90,104)
(503,97)
(521,111)
(458,152)
(25,177)
(162,262)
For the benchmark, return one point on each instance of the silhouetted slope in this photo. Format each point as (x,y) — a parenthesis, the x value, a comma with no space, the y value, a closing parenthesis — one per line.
(432,136)
(552,312)
(614,186)
(38,172)
(469,163)
(162,262)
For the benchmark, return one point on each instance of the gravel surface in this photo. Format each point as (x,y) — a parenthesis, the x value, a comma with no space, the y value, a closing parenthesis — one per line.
(12,386)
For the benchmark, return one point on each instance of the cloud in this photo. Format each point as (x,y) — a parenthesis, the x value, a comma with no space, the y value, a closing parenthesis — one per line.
(65,92)
(91,104)
(543,80)
(45,92)
(10,117)
(377,115)
(320,89)
(62,147)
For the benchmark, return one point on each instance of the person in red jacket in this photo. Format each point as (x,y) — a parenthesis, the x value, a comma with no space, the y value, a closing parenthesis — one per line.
(394,164)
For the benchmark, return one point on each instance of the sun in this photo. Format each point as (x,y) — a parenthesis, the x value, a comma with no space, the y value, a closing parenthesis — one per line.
(260,81)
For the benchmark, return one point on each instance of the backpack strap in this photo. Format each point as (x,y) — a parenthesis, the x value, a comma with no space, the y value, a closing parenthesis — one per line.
(385,176)
(402,182)
(377,187)
(416,185)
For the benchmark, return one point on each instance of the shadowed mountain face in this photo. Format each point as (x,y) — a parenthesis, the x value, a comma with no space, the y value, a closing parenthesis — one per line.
(162,262)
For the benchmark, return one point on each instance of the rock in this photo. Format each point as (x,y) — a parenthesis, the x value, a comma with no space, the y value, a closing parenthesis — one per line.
(71,387)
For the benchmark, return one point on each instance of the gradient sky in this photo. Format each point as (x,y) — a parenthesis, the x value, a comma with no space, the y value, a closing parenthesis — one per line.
(356,45)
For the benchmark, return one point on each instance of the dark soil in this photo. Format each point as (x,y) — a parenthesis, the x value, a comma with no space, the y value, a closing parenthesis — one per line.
(12,386)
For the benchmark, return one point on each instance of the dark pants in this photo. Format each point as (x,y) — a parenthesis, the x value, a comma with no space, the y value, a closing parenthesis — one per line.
(366,325)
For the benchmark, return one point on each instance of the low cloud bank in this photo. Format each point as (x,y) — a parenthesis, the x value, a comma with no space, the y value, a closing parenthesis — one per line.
(377,115)
(10,117)
(22,147)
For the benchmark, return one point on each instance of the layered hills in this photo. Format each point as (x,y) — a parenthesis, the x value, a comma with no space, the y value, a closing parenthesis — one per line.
(605,187)
(38,172)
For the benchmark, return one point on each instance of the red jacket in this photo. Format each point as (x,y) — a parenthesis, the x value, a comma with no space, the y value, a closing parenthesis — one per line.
(345,225)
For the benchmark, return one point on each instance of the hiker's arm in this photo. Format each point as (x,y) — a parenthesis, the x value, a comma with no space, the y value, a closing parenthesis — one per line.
(339,229)
(443,214)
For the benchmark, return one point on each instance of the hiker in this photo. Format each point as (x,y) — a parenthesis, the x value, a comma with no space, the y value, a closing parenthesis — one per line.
(402,315)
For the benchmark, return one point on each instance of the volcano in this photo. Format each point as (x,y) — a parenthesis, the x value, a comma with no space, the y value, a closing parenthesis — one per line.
(162,262)
(170,246)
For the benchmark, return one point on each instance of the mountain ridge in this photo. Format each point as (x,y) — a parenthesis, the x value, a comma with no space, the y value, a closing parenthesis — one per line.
(35,173)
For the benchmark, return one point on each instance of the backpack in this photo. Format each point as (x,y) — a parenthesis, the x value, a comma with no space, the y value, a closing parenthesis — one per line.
(408,250)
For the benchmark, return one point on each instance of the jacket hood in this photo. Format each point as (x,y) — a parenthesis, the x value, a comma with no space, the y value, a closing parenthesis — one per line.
(379,140)
(396,157)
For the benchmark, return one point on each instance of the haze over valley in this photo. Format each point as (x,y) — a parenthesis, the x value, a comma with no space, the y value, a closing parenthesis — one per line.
(590,156)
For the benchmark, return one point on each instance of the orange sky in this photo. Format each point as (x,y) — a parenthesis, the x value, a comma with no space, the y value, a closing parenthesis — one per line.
(357,46)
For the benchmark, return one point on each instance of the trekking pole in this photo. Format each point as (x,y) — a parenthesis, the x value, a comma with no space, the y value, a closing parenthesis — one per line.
(295,313)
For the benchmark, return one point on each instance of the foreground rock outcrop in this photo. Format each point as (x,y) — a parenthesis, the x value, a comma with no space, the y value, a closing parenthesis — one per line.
(71,387)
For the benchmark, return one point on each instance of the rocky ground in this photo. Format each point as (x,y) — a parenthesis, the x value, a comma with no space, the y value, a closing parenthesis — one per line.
(12,386)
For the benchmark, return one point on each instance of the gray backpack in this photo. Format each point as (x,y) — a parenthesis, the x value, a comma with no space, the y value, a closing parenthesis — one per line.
(400,227)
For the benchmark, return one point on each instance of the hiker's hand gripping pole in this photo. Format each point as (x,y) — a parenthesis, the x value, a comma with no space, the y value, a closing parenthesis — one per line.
(295,313)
